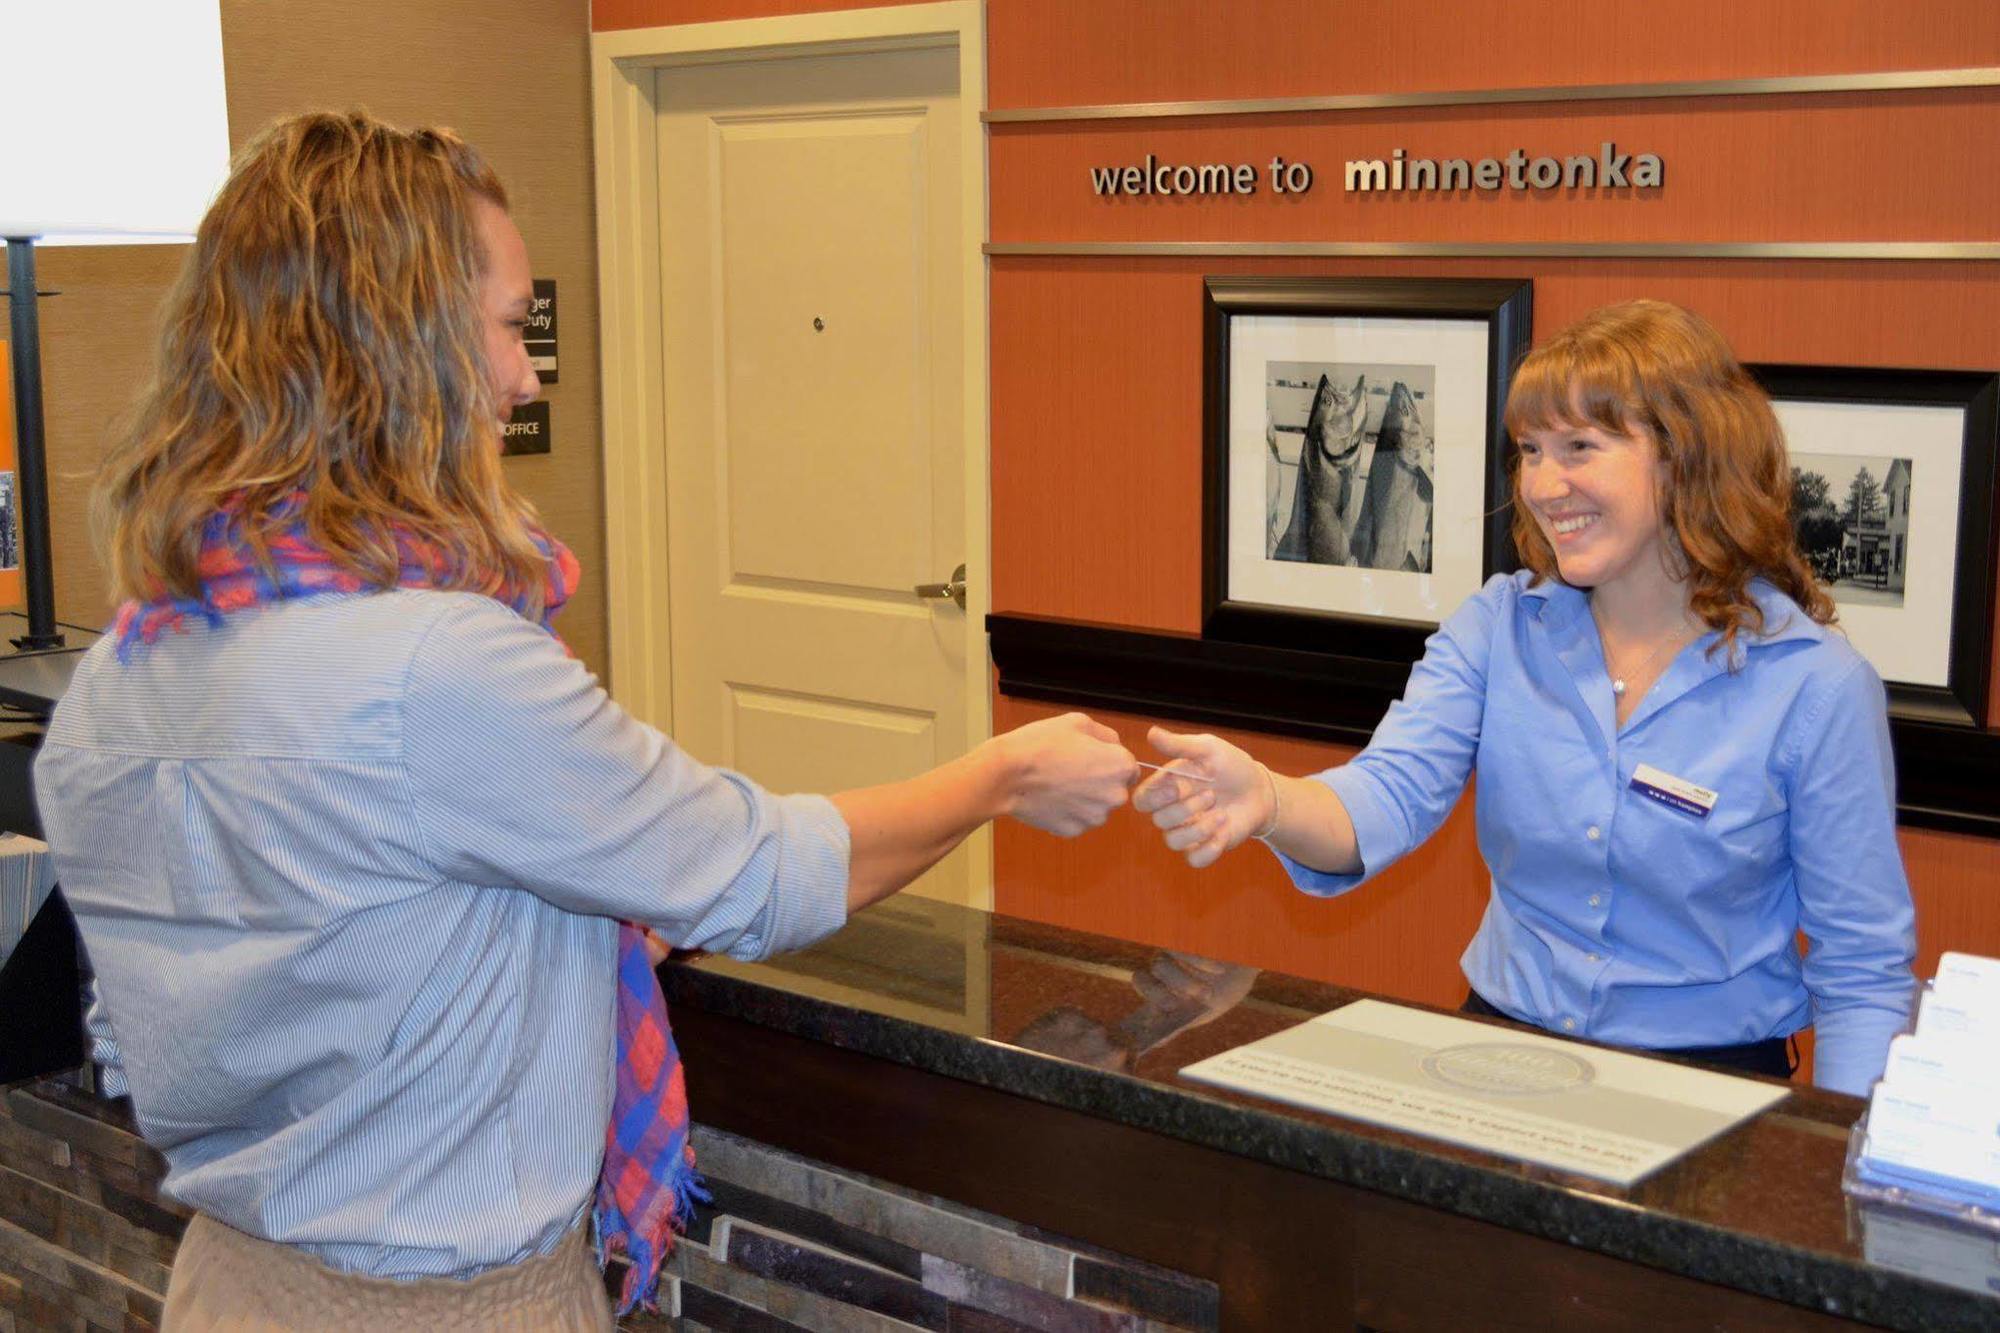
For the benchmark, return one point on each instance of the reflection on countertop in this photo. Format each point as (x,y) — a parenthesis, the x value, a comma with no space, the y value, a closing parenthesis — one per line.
(1103,1026)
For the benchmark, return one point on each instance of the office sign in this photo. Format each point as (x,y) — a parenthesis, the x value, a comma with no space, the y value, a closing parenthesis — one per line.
(528,431)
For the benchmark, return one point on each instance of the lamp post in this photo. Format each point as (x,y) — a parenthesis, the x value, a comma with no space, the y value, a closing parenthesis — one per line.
(33,482)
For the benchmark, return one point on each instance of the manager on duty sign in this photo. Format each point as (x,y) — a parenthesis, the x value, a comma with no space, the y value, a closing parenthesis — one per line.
(540,336)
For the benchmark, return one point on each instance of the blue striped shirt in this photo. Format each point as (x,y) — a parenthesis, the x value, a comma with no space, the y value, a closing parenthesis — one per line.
(348,870)
(1622,918)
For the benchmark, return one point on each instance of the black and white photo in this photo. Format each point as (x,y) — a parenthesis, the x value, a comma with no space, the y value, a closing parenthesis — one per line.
(1893,476)
(1355,479)
(1351,456)
(1852,517)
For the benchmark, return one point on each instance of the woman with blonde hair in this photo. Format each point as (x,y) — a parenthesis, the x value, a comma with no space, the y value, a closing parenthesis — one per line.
(359,853)
(1681,765)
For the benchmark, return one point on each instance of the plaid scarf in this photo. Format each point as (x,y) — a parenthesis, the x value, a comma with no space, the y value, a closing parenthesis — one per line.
(648,1185)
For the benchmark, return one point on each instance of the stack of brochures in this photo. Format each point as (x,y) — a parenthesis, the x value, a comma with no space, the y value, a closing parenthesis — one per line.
(1932,1135)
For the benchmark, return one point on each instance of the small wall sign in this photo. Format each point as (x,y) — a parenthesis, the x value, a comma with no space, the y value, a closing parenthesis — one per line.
(541,334)
(527,431)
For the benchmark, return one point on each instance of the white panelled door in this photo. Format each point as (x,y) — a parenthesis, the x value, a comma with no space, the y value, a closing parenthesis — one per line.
(812,285)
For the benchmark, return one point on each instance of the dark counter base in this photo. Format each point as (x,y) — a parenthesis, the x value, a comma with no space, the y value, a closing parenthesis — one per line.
(1288,1251)
(41,998)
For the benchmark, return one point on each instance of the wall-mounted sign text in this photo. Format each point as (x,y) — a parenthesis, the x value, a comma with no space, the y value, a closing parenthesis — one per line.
(1609,169)
(528,431)
(1156,177)
(541,331)
(1518,171)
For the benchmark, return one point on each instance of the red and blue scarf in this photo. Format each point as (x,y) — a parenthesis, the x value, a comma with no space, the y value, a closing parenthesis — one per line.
(648,1185)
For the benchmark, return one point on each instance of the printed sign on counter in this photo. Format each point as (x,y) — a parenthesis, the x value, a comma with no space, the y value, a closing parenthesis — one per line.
(1598,1113)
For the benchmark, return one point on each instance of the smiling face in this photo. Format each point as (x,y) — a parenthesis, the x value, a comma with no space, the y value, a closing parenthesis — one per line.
(1595,495)
(506,293)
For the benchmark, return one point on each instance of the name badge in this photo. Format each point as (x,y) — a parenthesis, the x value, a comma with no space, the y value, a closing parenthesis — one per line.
(1667,789)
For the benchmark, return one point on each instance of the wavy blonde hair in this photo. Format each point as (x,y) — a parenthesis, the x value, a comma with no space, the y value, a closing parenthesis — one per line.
(324,341)
(1652,367)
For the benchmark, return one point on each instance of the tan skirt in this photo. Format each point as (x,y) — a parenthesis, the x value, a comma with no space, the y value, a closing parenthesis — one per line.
(225,1281)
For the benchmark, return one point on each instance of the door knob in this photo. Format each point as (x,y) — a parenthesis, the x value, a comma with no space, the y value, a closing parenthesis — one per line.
(954,589)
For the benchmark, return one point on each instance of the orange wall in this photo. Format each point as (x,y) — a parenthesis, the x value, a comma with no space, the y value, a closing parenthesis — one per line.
(1823,168)
(1081,52)
(1096,362)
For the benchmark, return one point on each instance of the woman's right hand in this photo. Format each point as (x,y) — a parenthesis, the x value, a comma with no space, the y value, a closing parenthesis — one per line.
(1202,820)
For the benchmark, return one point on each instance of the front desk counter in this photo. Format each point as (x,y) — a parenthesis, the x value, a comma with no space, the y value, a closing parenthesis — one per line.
(1031,1072)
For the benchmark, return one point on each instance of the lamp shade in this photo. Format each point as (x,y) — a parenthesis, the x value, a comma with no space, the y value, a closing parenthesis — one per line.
(113,122)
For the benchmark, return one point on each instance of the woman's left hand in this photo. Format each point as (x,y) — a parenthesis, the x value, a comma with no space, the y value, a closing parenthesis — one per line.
(1210,798)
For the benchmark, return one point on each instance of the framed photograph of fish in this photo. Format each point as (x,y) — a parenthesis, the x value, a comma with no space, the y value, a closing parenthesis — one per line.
(1355,486)
(1893,475)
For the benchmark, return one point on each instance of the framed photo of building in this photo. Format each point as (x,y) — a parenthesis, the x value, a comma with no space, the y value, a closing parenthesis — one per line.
(1355,486)
(1893,477)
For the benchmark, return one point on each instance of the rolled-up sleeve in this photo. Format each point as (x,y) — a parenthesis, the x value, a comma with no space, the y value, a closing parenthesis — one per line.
(524,773)
(1854,899)
(1401,788)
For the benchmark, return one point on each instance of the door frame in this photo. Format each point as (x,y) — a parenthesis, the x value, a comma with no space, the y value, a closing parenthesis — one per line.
(624,65)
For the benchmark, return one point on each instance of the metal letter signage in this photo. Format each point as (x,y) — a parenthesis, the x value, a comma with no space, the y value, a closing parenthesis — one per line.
(1607,169)
(1516,171)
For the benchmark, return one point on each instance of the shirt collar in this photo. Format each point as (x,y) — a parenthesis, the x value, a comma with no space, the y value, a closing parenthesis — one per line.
(1558,604)
(1783,620)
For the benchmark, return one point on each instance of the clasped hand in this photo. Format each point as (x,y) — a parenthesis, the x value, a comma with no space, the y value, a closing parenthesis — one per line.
(1070,773)
(1067,774)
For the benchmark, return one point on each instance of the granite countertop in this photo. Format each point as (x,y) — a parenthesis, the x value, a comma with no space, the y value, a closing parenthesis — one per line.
(1102,1026)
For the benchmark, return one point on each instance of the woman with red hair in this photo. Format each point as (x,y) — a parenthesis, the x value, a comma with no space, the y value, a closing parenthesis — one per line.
(1682,765)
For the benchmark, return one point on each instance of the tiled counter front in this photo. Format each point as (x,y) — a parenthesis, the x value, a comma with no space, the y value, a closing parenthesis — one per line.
(793,1244)
(86,1244)
(85,1237)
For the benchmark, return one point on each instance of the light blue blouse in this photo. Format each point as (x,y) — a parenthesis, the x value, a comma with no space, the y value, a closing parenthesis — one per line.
(1622,918)
(348,870)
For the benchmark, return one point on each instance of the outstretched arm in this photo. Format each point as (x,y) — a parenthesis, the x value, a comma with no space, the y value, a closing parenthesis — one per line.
(1352,821)
(1062,775)
(524,774)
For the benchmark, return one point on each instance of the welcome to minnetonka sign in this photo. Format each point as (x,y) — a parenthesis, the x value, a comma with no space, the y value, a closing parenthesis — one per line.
(1397,173)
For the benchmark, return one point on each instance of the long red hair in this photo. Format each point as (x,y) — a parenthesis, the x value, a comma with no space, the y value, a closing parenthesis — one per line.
(1651,368)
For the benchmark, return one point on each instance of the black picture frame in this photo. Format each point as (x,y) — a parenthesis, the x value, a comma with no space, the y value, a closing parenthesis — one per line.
(1960,699)
(1504,306)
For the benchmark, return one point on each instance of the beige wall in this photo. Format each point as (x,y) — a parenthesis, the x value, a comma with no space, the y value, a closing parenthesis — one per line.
(513,77)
